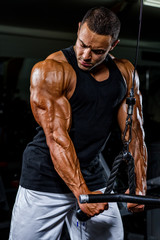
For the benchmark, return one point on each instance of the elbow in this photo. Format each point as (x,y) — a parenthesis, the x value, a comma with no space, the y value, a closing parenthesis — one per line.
(62,138)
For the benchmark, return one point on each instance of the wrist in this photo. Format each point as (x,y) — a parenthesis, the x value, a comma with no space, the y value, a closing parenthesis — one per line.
(82,189)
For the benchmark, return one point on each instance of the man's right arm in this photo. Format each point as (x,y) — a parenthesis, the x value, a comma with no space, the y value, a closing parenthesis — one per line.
(50,84)
(52,111)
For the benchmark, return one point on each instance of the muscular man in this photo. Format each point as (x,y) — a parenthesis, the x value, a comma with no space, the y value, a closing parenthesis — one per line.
(74,95)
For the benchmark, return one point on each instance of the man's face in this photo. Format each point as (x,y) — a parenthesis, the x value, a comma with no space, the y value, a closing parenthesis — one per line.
(91,48)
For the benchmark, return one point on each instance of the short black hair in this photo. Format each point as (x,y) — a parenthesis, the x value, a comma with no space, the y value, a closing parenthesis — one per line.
(102,21)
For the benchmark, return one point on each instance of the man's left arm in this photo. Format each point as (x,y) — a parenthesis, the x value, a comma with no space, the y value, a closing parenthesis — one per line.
(137,146)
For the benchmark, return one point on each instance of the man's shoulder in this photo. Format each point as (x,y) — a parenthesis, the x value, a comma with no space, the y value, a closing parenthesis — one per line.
(53,71)
(58,59)
(123,63)
(127,70)
(55,61)
(125,66)
(57,56)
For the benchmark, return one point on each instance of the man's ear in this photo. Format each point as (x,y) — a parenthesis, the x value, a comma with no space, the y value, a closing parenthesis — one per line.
(114,44)
(79,25)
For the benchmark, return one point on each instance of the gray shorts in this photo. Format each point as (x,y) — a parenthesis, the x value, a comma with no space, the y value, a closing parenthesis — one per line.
(40,216)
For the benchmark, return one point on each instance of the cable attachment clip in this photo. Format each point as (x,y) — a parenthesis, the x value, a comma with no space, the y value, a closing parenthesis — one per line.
(131,102)
(126,155)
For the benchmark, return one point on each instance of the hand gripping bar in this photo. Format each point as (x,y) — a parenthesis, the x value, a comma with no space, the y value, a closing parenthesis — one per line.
(95,198)
(149,201)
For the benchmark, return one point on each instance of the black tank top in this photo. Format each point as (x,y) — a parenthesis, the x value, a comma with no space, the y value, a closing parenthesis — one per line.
(93,106)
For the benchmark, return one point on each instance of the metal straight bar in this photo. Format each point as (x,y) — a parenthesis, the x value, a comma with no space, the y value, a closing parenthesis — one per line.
(95,198)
